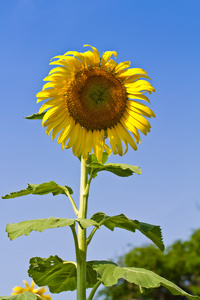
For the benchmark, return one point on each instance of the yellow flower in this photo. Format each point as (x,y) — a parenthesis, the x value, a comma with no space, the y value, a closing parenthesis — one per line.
(39,291)
(90,98)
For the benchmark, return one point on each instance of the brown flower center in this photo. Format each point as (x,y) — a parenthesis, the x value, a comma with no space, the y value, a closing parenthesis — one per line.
(96,99)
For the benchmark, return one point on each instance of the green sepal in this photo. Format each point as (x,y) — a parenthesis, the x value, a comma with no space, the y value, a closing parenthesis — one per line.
(57,274)
(36,116)
(24,296)
(145,279)
(40,189)
(152,232)
(15,230)
(93,158)
(122,170)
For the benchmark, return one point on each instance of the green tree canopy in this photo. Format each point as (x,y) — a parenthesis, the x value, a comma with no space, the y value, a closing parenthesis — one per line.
(179,263)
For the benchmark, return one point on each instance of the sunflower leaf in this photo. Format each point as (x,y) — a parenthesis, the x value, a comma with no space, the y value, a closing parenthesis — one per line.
(93,159)
(24,296)
(111,273)
(15,230)
(121,221)
(122,170)
(57,274)
(84,223)
(41,189)
(36,116)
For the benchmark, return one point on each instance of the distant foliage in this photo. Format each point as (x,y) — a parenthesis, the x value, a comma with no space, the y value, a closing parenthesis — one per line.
(179,263)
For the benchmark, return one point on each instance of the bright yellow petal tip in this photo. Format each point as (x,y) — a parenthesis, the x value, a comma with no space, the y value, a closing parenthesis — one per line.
(89,98)
(38,291)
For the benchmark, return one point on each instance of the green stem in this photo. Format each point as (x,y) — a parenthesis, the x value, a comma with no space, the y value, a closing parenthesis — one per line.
(94,290)
(93,232)
(91,235)
(81,263)
(78,258)
(71,200)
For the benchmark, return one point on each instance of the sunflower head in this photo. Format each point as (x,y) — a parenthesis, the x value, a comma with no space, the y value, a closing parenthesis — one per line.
(89,98)
(38,291)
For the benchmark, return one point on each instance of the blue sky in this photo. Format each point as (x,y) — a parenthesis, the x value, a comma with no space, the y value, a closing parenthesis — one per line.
(160,36)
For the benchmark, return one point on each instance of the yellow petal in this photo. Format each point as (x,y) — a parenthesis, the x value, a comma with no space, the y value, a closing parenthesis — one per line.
(56,125)
(50,103)
(81,57)
(55,84)
(51,112)
(60,70)
(121,66)
(18,290)
(56,77)
(26,283)
(96,54)
(110,65)
(106,56)
(53,119)
(138,96)
(130,72)
(137,124)
(70,123)
(140,85)
(107,149)
(50,93)
(73,136)
(139,118)
(117,142)
(133,78)
(98,137)
(41,291)
(88,144)
(65,61)
(140,107)
(112,140)
(80,138)
(74,53)
(82,148)
(58,128)
(127,137)
(119,132)
(127,124)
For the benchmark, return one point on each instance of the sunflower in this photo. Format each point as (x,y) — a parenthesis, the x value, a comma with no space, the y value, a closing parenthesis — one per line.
(39,291)
(89,98)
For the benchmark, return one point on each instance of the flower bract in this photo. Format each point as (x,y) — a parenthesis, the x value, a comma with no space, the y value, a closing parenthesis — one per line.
(89,100)
(38,291)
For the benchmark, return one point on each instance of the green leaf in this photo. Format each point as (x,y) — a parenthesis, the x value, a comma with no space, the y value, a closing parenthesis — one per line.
(15,230)
(57,274)
(110,274)
(84,223)
(36,116)
(40,189)
(93,159)
(122,170)
(28,296)
(152,232)
(24,296)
